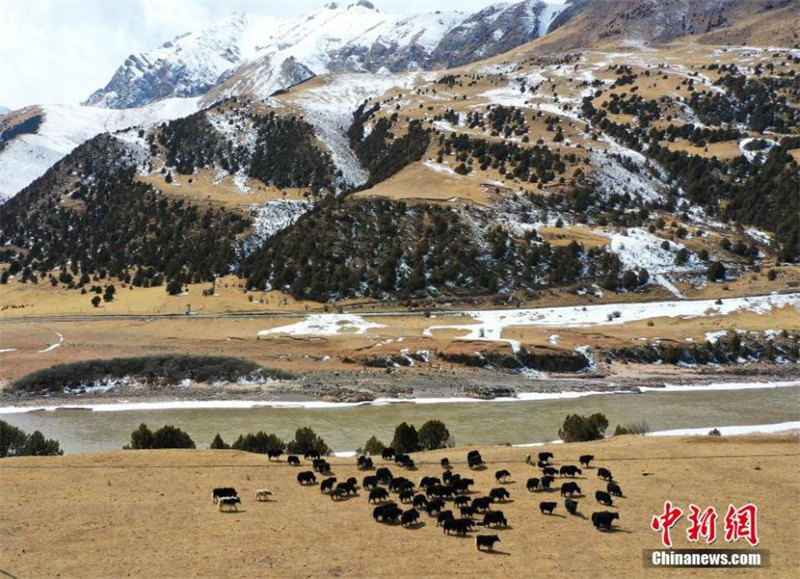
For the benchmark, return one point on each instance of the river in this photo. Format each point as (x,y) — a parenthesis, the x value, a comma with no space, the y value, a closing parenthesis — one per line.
(345,428)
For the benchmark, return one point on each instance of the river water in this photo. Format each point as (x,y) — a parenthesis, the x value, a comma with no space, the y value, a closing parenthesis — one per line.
(345,428)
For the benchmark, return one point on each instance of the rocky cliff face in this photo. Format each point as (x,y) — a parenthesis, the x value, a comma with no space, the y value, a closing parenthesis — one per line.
(492,31)
(188,66)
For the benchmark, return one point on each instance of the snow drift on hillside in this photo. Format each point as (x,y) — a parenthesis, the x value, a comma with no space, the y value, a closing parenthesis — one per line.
(27,157)
(637,248)
(329,108)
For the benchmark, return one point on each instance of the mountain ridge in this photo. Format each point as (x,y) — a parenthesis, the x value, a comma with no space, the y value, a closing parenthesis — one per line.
(336,38)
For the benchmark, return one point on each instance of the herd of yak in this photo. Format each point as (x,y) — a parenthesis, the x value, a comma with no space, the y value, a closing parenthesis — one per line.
(431,494)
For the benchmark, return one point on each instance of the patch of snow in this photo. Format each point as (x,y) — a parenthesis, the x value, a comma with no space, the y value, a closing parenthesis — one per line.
(751,155)
(325,325)
(441,168)
(760,236)
(714,337)
(662,279)
(329,109)
(123,406)
(489,324)
(550,11)
(240,181)
(52,347)
(272,217)
(614,177)
(641,249)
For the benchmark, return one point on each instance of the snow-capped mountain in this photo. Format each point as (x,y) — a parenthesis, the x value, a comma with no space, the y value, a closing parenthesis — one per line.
(271,53)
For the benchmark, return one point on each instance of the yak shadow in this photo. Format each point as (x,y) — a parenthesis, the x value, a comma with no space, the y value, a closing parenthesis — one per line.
(495,552)
(464,536)
(380,502)
(615,530)
(506,528)
(506,482)
(579,515)
(417,525)
(558,515)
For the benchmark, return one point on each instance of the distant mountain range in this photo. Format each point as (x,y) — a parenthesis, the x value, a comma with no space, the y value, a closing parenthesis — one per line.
(269,54)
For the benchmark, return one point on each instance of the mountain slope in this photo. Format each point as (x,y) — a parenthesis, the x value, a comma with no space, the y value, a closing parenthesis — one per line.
(27,153)
(634,23)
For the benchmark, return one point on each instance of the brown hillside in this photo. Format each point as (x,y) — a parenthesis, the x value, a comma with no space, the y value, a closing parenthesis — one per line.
(595,23)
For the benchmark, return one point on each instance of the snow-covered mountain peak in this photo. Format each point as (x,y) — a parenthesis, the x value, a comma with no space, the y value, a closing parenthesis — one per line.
(353,36)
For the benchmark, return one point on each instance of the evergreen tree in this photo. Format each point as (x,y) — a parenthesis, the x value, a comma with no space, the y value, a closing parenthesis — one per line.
(218,443)
(433,434)
(141,438)
(405,438)
(306,439)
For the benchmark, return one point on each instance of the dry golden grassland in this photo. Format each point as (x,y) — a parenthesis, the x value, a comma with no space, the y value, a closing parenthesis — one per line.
(205,188)
(99,337)
(150,514)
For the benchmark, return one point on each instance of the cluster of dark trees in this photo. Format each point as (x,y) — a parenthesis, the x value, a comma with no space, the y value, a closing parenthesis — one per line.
(305,439)
(285,154)
(507,121)
(154,370)
(577,428)
(698,136)
(762,192)
(382,152)
(646,110)
(757,102)
(377,247)
(165,437)
(432,435)
(193,142)
(729,349)
(16,442)
(535,163)
(107,222)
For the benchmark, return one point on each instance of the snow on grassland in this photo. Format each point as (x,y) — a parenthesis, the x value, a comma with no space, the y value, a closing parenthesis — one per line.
(767,145)
(638,249)
(489,324)
(325,325)
(64,127)
(329,108)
